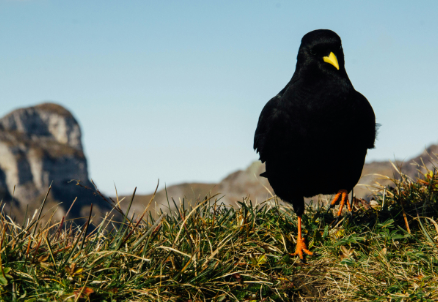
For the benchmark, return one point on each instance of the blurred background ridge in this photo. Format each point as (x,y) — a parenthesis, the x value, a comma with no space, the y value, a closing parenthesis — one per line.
(41,145)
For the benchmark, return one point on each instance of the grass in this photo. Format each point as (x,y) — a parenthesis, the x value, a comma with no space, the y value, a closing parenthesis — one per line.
(210,252)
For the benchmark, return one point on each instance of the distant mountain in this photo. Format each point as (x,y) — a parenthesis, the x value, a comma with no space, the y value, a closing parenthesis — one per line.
(248,183)
(231,189)
(39,146)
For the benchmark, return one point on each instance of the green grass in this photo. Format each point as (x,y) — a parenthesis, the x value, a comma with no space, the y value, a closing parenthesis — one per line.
(209,252)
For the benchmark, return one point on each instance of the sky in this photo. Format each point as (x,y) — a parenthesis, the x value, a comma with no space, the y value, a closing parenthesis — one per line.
(172,90)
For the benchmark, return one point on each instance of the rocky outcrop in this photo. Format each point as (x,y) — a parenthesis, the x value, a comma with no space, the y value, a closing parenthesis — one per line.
(48,120)
(41,146)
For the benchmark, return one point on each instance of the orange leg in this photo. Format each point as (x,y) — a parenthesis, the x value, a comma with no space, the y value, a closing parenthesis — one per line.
(301,245)
(343,194)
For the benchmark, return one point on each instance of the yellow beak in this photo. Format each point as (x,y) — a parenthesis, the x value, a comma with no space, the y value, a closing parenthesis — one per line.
(331,59)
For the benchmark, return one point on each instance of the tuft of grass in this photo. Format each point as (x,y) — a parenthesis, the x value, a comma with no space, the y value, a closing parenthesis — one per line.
(211,252)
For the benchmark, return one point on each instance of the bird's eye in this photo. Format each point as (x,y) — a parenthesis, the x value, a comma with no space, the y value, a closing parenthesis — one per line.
(340,47)
(312,52)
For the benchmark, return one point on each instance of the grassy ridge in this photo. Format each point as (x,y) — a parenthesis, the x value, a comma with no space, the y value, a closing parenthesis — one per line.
(209,252)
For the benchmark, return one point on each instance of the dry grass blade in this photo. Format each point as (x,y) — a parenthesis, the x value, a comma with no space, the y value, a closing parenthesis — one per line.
(41,209)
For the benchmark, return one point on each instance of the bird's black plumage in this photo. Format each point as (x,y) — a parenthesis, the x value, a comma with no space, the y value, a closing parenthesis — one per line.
(314,134)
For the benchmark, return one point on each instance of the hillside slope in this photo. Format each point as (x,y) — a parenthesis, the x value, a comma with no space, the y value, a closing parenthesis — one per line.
(248,183)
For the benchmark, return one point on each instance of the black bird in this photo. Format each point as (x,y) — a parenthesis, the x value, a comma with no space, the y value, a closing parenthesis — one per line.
(314,134)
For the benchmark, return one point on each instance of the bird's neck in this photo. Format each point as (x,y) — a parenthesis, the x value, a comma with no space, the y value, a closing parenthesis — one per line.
(315,79)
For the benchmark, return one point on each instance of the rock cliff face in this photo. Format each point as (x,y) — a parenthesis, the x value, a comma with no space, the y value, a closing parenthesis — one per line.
(39,146)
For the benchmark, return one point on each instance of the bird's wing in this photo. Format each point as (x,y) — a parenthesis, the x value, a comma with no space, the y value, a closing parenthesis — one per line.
(268,121)
(367,126)
(268,127)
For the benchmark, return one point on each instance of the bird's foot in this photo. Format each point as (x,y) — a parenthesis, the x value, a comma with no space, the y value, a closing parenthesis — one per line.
(344,200)
(343,195)
(301,249)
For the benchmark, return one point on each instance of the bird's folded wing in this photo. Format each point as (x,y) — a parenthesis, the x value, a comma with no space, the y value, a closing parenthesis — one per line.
(270,133)
(367,125)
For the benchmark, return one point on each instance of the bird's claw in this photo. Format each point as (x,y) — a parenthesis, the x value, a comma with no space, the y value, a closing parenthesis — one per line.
(342,198)
(301,249)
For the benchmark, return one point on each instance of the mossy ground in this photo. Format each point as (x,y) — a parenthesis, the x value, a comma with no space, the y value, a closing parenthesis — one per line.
(209,252)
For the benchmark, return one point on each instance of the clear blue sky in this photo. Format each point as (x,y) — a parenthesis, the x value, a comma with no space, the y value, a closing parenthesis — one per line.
(173,89)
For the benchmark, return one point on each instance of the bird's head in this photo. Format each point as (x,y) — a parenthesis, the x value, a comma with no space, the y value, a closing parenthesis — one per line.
(321,53)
